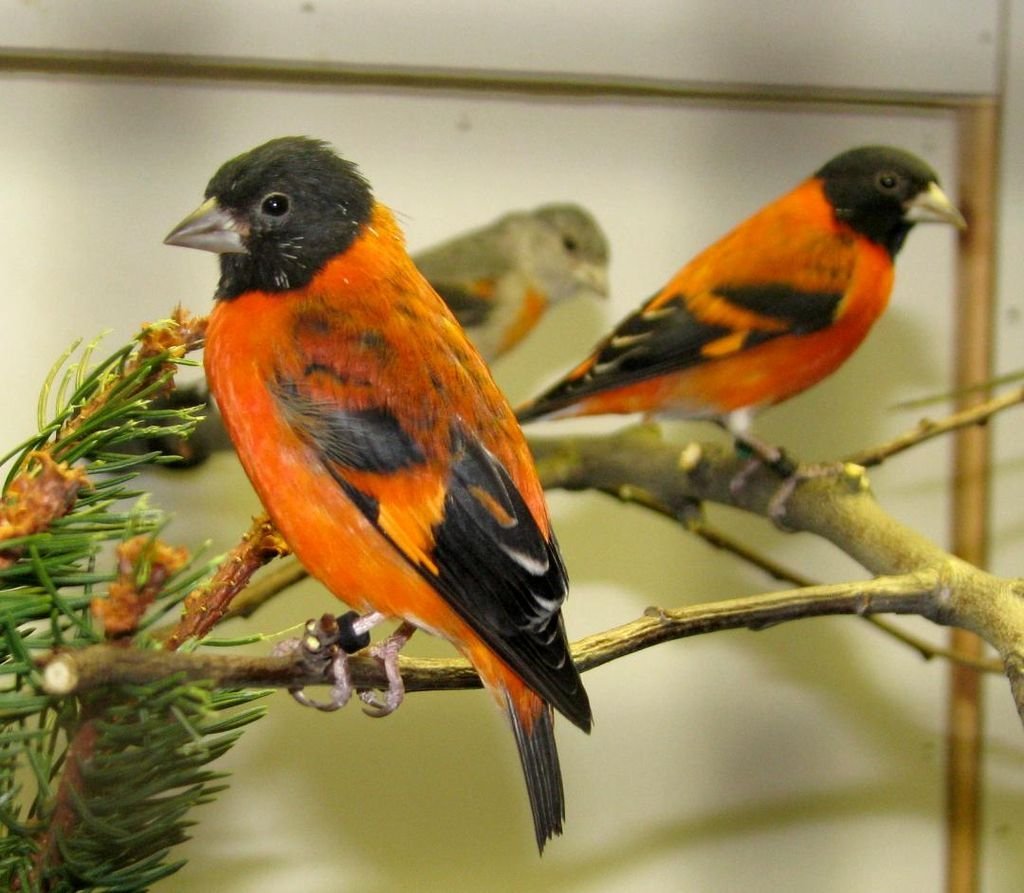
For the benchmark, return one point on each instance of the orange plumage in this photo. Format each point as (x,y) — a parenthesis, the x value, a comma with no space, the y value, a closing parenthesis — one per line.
(770,309)
(376,438)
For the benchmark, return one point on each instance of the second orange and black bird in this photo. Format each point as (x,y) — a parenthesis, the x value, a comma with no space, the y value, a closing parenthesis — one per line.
(377,440)
(770,309)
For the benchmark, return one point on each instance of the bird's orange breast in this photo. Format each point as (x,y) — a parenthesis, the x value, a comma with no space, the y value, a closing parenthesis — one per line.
(375,304)
(331,537)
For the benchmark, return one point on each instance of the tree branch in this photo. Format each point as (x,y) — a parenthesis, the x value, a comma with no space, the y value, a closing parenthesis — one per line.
(927,429)
(839,508)
(915,576)
(209,603)
(925,649)
(233,594)
(72,672)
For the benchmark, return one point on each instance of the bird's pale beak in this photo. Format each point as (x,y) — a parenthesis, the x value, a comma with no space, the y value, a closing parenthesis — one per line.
(593,277)
(933,206)
(210,228)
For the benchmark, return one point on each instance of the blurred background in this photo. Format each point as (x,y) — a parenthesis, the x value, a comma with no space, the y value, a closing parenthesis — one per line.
(802,758)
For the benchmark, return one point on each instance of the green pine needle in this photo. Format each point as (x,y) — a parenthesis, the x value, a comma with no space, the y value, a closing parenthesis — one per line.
(95,792)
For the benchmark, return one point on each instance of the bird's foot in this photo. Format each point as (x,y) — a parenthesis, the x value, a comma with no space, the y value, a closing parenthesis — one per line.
(853,474)
(760,455)
(386,652)
(324,648)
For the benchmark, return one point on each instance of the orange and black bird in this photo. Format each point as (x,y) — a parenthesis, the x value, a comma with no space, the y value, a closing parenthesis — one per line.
(378,442)
(768,310)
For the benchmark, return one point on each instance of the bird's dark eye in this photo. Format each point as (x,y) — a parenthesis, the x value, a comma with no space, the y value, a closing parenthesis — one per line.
(569,243)
(887,181)
(275,205)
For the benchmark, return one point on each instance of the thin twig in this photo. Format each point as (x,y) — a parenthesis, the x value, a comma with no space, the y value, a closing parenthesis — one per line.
(927,429)
(206,606)
(988,385)
(721,540)
(72,672)
(278,577)
(932,652)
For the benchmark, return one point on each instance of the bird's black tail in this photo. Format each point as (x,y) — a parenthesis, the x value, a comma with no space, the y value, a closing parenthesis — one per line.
(539,756)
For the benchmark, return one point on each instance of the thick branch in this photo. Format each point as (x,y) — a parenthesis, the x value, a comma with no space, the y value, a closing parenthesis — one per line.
(230,600)
(926,649)
(839,508)
(638,465)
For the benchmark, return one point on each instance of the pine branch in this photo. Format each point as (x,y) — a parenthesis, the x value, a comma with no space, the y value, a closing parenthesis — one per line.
(94,789)
(207,605)
(279,577)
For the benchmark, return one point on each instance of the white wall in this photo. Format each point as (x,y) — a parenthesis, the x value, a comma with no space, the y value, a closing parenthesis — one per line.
(803,758)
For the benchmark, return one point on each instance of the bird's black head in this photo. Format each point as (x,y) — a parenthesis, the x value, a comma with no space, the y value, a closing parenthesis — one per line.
(277,214)
(881,192)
